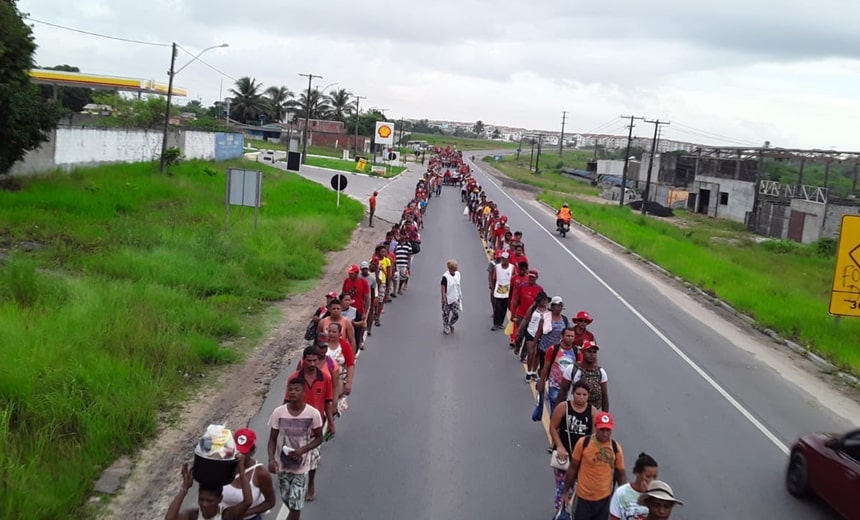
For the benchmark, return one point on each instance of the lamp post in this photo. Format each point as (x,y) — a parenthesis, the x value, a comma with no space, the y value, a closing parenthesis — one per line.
(171,73)
(307,116)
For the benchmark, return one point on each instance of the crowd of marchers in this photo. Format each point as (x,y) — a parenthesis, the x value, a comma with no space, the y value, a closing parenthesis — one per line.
(559,353)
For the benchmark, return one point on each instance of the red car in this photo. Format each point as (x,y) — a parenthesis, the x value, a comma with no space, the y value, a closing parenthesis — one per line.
(827,465)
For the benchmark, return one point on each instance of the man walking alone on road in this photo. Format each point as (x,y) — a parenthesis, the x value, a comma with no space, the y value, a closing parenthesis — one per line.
(452,297)
(372,206)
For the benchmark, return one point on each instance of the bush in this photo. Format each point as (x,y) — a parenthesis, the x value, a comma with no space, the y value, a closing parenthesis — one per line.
(172,156)
(825,247)
(782,247)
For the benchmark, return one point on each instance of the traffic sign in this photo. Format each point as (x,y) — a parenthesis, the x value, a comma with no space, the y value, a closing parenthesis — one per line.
(845,293)
(338,182)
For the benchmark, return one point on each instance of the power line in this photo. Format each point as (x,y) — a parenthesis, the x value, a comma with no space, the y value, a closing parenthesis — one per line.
(712,135)
(219,71)
(107,36)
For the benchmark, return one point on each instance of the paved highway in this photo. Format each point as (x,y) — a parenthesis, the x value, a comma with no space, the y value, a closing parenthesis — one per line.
(439,426)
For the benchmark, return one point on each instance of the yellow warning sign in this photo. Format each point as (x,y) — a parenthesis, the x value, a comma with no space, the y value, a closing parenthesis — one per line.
(845,294)
(360,165)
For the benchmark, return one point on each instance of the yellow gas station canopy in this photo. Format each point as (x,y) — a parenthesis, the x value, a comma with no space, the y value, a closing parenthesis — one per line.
(78,79)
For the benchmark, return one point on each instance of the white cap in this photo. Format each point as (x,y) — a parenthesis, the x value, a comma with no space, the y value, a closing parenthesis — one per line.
(556,300)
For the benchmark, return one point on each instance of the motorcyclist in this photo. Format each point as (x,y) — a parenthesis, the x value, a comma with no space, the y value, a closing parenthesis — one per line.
(563,215)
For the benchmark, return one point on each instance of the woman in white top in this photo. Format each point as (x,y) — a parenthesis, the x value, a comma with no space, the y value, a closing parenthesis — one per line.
(625,501)
(538,312)
(263,497)
(452,297)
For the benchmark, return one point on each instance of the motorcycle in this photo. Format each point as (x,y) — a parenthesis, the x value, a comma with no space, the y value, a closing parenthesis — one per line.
(563,227)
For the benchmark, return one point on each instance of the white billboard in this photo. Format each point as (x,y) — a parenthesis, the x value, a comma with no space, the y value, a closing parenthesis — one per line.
(384,133)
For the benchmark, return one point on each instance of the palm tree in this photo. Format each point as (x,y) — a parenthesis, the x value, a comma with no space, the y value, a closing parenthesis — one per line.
(247,101)
(478,127)
(278,101)
(341,104)
(319,107)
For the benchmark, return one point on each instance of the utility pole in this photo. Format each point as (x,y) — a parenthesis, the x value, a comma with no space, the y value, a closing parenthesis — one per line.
(537,159)
(307,117)
(532,154)
(561,139)
(627,155)
(167,110)
(520,147)
(357,117)
(656,123)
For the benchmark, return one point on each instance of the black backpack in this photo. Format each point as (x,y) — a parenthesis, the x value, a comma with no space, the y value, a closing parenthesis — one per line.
(311,329)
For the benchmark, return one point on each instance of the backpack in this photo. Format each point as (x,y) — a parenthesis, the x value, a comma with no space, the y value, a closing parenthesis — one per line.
(592,379)
(587,439)
(311,329)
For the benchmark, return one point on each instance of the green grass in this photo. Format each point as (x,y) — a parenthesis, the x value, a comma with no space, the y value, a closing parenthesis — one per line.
(462,143)
(259,144)
(117,287)
(783,285)
(549,177)
(349,166)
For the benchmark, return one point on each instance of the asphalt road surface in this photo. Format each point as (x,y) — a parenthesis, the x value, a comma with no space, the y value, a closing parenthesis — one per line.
(439,426)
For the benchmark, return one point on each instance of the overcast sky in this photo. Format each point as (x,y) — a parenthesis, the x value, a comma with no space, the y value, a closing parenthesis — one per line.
(741,71)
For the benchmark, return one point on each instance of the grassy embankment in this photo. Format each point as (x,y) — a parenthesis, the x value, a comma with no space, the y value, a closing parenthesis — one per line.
(550,177)
(350,166)
(462,143)
(259,144)
(117,287)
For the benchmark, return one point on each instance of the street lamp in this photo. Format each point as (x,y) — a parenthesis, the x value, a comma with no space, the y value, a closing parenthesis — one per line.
(307,116)
(171,74)
(357,117)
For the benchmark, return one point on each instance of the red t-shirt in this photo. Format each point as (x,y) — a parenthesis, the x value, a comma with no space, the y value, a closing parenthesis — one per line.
(358,289)
(517,259)
(580,338)
(318,393)
(527,294)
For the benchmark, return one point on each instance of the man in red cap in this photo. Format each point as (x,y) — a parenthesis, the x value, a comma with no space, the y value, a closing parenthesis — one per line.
(591,373)
(357,287)
(580,327)
(596,465)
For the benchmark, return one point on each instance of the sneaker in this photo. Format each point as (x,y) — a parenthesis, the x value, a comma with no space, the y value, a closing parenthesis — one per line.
(446,330)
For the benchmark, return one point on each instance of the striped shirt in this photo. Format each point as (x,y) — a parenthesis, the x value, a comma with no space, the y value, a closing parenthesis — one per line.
(402,253)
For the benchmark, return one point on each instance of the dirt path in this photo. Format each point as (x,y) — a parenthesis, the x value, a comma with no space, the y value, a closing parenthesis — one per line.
(239,394)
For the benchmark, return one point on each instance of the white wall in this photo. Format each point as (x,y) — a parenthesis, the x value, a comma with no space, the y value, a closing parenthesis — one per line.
(198,145)
(741,196)
(82,146)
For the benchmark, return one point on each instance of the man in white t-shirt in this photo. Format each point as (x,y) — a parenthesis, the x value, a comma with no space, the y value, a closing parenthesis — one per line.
(295,431)
(452,297)
(500,285)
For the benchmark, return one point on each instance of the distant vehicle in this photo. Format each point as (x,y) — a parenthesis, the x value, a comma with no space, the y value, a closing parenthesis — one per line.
(827,465)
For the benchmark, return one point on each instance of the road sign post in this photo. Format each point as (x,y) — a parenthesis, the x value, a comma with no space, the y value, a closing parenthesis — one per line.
(338,183)
(243,188)
(845,292)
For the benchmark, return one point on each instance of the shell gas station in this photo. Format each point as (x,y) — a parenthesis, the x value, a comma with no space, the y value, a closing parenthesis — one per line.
(57,78)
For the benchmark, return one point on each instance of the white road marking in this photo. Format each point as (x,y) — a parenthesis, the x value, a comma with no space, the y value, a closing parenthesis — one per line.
(714,384)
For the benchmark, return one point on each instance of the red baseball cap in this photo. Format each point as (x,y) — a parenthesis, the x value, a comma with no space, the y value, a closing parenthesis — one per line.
(588,344)
(604,421)
(533,272)
(245,439)
(332,295)
(353,269)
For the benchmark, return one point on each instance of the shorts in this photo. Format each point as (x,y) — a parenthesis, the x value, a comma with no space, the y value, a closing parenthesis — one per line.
(528,336)
(294,489)
(381,292)
(402,273)
(314,458)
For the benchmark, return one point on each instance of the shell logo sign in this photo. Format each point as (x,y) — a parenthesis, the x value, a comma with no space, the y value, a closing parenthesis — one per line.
(384,133)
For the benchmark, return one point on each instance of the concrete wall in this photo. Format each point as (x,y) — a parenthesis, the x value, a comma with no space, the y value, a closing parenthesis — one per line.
(76,146)
(815,225)
(741,195)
